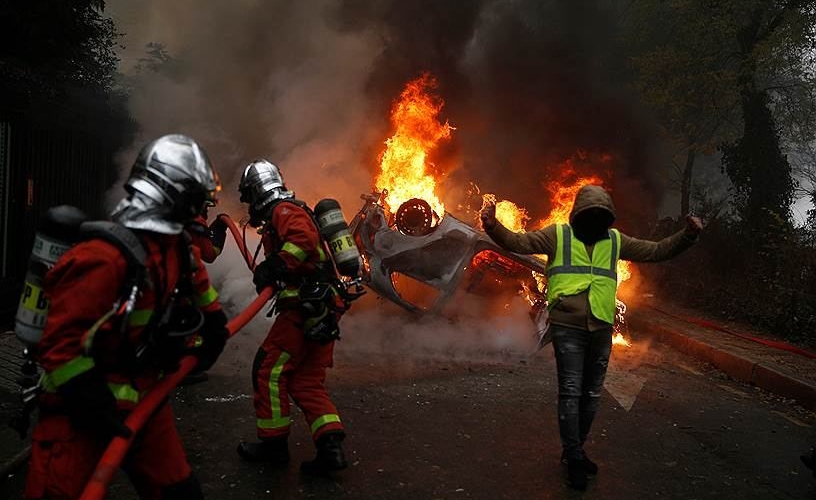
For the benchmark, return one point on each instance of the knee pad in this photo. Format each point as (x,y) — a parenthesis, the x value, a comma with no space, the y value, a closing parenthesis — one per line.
(188,489)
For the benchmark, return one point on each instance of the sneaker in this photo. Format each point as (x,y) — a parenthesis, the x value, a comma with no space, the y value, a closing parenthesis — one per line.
(273,451)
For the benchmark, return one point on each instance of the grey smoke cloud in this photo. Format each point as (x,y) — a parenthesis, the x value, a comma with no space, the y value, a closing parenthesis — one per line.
(255,79)
(309,84)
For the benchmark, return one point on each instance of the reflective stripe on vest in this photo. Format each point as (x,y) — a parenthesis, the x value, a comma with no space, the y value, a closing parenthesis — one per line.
(206,298)
(139,317)
(124,392)
(572,271)
(52,380)
(295,251)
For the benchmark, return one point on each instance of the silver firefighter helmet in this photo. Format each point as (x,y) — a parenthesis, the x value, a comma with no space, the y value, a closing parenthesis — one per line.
(171,182)
(262,183)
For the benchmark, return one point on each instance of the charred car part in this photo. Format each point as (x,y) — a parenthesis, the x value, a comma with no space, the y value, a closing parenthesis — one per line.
(435,252)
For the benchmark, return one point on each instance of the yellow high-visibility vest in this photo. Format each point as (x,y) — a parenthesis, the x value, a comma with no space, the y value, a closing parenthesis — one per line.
(571,271)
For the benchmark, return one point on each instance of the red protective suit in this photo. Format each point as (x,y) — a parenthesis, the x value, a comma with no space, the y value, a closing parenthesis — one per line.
(287,365)
(202,238)
(81,334)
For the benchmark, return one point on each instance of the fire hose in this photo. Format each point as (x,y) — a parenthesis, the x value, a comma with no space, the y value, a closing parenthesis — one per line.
(238,237)
(114,454)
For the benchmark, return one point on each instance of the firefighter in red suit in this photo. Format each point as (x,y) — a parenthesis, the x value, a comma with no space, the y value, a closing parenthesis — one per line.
(104,346)
(210,242)
(209,239)
(288,364)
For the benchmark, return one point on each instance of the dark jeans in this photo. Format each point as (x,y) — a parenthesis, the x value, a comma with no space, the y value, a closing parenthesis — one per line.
(581,357)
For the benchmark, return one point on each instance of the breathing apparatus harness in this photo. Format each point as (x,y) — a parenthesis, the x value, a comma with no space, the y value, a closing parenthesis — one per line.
(167,331)
(317,291)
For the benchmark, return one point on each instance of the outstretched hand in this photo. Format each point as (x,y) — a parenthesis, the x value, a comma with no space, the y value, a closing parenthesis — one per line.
(488,216)
(693,224)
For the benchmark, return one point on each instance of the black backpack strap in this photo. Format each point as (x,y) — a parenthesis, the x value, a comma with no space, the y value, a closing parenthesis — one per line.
(119,236)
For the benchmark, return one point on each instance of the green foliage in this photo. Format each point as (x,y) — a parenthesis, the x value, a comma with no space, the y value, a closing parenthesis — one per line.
(48,47)
(759,170)
(719,277)
(684,69)
(738,76)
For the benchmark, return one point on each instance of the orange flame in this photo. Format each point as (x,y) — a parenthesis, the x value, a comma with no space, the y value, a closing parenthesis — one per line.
(511,216)
(404,163)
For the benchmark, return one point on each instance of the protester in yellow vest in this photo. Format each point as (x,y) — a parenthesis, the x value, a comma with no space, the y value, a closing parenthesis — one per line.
(582,282)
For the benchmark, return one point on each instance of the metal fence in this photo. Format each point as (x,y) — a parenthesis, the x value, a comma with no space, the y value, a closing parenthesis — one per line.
(43,164)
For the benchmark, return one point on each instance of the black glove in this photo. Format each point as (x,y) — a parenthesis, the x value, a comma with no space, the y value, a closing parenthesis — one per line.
(91,406)
(270,272)
(214,335)
(218,232)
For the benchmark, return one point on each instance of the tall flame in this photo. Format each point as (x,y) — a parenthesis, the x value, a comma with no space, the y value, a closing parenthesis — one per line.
(404,163)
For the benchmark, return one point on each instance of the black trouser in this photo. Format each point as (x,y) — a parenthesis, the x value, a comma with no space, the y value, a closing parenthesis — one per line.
(581,357)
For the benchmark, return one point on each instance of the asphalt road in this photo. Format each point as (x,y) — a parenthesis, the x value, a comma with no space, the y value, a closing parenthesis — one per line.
(461,410)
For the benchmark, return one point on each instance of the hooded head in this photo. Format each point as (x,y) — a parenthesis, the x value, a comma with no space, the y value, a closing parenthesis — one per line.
(592,214)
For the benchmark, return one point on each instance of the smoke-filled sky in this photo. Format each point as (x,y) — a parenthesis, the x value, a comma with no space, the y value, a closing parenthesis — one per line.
(528,84)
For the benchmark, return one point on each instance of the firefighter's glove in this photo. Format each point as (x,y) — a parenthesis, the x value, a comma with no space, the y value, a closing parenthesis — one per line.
(270,272)
(214,336)
(91,407)
(218,231)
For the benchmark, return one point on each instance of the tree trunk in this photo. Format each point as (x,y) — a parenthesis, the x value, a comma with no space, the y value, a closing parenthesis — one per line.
(685,186)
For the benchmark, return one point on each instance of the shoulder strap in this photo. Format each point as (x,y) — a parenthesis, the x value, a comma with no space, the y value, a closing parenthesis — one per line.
(119,236)
(300,203)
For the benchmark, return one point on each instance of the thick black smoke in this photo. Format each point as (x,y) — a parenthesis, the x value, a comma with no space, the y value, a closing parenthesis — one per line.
(309,84)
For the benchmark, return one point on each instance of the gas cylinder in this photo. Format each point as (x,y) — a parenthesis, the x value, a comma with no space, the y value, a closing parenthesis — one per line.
(335,230)
(58,231)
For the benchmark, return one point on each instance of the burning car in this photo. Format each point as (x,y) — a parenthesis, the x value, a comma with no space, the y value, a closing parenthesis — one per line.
(419,260)
(416,253)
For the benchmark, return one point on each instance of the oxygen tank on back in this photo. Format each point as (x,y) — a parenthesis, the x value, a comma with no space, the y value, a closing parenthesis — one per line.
(58,231)
(335,230)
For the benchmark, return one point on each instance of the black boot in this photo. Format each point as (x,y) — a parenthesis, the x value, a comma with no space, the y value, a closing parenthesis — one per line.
(809,459)
(330,456)
(576,474)
(274,451)
(590,467)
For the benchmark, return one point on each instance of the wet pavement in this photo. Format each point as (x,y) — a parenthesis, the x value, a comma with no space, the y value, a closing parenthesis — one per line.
(448,410)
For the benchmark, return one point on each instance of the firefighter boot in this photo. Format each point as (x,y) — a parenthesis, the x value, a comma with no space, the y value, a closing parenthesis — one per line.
(330,456)
(274,451)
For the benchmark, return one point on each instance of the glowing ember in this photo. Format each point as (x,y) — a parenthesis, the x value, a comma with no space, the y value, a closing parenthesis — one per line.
(619,339)
(404,168)
(624,271)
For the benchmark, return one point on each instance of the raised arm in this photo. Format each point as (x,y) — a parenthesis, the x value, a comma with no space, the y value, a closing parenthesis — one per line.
(637,250)
(542,241)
